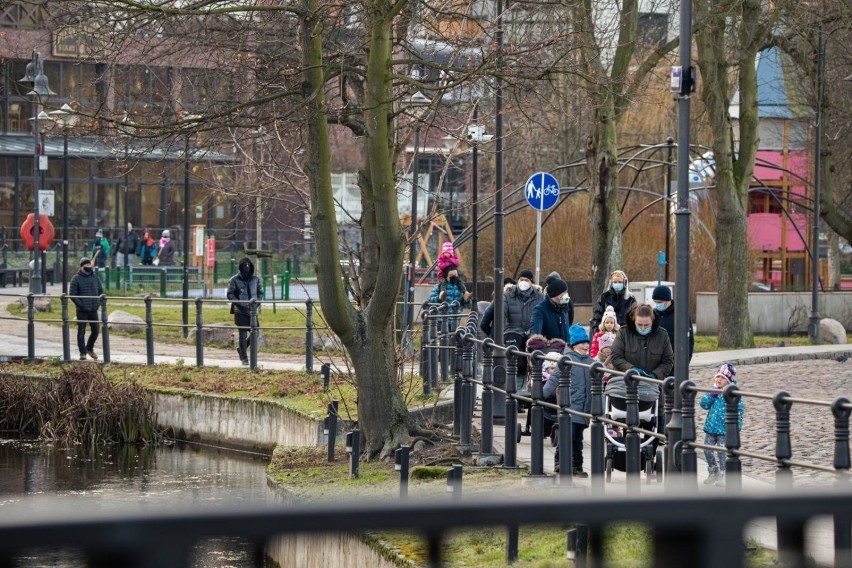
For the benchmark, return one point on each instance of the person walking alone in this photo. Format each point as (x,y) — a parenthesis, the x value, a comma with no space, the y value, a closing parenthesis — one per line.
(243,287)
(85,292)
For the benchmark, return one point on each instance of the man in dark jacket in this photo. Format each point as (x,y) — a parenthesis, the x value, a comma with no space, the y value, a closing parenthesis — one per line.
(519,302)
(641,344)
(554,315)
(664,305)
(242,288)
(125,248)
(85,292)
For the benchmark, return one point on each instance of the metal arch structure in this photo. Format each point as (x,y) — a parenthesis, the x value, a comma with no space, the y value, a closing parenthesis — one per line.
(638,160)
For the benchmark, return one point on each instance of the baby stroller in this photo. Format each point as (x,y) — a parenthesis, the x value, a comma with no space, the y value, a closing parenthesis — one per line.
(540,343)
(615,408)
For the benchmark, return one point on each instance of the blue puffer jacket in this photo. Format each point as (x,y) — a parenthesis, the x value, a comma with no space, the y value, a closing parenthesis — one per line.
(715,422)
(455,293)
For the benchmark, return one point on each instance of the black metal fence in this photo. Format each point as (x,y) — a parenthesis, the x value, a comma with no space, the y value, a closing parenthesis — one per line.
(312,328)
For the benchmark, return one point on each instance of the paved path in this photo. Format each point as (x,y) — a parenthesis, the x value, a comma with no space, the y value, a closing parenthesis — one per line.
(805,372)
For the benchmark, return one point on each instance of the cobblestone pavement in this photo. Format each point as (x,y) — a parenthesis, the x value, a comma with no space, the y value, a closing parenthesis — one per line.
(811,426)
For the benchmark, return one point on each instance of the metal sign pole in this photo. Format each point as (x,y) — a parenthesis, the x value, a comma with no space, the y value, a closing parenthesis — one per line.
(537,246)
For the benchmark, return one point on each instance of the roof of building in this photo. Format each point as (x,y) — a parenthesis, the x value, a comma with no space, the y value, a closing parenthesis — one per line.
(93,148)
(779,90)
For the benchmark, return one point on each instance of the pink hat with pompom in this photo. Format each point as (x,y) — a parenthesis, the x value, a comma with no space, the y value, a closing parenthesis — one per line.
(447,247)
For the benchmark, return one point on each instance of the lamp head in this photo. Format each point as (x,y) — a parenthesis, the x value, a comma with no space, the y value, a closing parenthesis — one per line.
(41,88)
(29,74)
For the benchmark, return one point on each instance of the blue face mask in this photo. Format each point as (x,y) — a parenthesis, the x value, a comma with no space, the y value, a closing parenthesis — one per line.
(618,286)
(660,307)
(645,331)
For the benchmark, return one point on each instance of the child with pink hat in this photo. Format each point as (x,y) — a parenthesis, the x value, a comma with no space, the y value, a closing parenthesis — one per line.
(447,260)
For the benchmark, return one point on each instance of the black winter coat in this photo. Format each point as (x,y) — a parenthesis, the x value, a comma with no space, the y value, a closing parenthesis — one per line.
(618,301)
(244,290)
(667,322)
(83,284)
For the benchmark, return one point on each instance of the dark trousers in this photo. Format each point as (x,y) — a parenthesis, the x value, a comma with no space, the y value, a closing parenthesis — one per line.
(577,444)
(243,323)
(84,318)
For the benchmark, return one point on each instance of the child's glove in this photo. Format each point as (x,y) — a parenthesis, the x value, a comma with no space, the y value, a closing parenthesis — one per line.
(714,395)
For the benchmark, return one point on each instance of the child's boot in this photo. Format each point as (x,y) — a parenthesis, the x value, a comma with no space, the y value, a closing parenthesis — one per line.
(712,478)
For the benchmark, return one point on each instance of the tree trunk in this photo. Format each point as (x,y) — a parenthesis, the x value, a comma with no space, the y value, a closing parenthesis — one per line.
(366,332)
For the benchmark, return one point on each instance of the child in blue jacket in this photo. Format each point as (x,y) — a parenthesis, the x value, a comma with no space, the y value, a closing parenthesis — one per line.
(714,424)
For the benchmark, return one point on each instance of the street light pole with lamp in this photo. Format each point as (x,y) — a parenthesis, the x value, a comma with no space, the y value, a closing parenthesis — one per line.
(475,135)
(66,118)
(418,103)
(185,120)
(40,93)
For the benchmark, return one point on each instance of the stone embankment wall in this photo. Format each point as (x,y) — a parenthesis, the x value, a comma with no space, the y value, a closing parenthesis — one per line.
(260,425)
(243,423)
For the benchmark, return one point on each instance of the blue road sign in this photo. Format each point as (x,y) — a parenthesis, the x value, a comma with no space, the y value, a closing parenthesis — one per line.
(542,191)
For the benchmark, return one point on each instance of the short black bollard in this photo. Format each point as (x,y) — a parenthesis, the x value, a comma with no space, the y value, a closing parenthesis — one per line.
(631,438)
(105,329)
(444,352)
(401,457)
(565,449)
(597,428)
(733,466)
(842,523)
(149,329)
(536,417)
(30,327)
(309,336)
(331,427)
(688,459)
(510,439)
(325,371)
(458,395)
(454,481)
(163,283)
(66,332)
(783,445)
(353,448)
(468,394)
(199,333)
(434,345)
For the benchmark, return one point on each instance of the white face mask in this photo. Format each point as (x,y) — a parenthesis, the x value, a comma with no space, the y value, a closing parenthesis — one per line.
(565,299)
(523,285)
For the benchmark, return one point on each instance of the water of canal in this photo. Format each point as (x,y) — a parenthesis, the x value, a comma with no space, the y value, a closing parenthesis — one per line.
(36,476)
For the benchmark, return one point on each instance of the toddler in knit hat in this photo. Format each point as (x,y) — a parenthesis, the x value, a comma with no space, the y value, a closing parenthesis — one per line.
(448,259)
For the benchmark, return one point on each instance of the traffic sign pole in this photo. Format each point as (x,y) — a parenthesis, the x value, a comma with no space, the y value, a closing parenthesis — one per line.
(542,193)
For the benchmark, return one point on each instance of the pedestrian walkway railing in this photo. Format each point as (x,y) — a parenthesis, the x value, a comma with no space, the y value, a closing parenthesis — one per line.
(683,529)
(316,332)
(499,368)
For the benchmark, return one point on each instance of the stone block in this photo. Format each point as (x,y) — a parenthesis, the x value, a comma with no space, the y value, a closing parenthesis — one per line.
(832,331)
(40,303)
(123,321)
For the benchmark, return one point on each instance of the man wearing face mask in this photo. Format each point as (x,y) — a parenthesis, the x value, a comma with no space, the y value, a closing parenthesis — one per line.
(519,301)
(664,305)
(85,292)
(242,288)
(554,315)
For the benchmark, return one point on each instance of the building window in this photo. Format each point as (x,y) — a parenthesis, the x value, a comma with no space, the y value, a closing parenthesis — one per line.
(653,29)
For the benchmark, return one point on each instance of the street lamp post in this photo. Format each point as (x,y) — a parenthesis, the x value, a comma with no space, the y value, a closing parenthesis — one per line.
(40,93)
(813,321)
(186,195)
(418,102)
(66,118)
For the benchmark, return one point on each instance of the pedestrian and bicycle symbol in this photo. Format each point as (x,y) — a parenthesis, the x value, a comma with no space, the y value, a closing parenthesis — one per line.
(542,191)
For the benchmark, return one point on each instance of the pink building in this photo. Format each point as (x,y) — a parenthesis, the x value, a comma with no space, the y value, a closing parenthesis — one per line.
(779,203)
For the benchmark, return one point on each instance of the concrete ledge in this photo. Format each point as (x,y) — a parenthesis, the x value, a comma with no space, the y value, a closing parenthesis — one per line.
(769,355)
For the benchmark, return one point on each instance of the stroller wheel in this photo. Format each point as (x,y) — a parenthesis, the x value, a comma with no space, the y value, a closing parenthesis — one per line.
(519,434)
(554,435)
(649,470)
(608,468)
(658,465)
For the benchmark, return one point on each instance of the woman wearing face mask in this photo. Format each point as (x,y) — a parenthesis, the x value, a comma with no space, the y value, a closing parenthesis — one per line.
(554,315)
(643,345)
(617,294)
(85,291)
